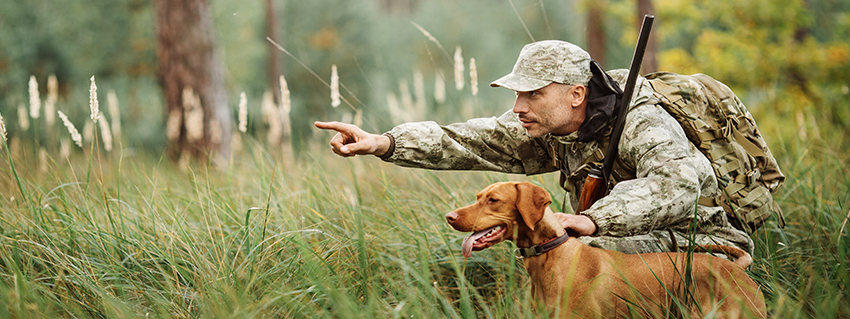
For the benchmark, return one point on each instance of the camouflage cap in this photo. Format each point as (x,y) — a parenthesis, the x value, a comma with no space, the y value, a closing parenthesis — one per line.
(544,62)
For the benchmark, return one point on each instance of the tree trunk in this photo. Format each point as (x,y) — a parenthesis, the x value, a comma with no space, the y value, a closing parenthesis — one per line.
(650,63)
(596,31)
(187,61)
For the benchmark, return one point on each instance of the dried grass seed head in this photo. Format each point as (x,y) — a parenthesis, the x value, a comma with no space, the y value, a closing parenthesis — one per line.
(35,100)
(172,125)
(334,86)
(64,149)
(439,87)
(114,113)
(75,135)
(473,77)
(52,98)
(193,113)
(2,128)
(23,118)
(271,114)
(105,132)
(458,69)
(93,104)
(285,100)
(419,90)
(243,112)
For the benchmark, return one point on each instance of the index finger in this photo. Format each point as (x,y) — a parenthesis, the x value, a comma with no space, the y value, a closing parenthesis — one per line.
(336,126)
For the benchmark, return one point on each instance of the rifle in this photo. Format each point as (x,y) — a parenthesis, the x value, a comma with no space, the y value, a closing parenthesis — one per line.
(596,184)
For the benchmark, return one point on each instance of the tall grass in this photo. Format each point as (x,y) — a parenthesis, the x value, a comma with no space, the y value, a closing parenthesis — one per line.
(133,236)
(325,237)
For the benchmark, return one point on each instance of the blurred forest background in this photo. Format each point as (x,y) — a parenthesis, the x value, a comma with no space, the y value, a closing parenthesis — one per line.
(789,60)
(92,232)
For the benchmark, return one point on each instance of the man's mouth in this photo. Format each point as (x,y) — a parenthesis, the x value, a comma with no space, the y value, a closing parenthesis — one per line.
(526,122)
(481,240)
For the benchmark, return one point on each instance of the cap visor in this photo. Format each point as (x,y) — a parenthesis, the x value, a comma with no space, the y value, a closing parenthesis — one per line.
(519,83)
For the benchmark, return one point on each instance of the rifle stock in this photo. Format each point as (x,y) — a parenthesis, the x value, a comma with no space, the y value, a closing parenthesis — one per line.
(596,184)
(594,188)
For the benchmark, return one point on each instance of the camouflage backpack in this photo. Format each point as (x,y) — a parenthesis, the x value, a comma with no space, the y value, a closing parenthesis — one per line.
(722,128)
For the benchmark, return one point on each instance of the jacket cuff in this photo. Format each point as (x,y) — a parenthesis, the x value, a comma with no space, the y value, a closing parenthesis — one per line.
(596,233)
(390,150)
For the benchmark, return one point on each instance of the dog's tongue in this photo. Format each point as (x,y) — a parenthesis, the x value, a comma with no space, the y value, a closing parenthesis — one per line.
(466,246)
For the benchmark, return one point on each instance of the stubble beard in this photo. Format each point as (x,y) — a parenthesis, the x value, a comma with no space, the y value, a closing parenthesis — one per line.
(534,135)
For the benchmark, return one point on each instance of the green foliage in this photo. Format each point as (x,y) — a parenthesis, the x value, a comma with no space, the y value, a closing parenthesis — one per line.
(73,40)
(785,58)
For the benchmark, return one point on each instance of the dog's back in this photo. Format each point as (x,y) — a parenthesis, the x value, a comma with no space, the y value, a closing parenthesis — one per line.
(609,284)
(705,285)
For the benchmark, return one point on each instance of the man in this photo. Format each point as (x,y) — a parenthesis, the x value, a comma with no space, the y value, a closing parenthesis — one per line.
(562,119)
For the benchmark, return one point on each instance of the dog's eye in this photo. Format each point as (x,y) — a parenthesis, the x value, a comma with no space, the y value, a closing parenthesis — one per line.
(492,200)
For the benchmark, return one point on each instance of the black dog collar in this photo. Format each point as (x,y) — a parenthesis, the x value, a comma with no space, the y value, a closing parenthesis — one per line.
(538,250)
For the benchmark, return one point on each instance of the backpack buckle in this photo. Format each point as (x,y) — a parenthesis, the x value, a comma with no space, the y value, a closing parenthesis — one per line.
(753,176)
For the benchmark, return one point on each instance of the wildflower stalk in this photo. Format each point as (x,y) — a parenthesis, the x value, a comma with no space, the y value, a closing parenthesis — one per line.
(94,149)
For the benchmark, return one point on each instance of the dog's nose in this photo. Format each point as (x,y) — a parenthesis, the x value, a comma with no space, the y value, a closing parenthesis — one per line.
(451,217)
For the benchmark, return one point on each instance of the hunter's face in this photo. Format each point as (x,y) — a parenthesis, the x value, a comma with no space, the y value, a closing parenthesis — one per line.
(556,108)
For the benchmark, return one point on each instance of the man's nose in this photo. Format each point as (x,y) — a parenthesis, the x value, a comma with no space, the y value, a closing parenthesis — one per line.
(520,106)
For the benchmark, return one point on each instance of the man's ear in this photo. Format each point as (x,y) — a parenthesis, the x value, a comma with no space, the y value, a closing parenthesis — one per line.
(531,202)
(579,94)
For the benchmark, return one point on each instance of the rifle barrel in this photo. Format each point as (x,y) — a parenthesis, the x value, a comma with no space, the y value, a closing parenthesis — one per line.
(626,99)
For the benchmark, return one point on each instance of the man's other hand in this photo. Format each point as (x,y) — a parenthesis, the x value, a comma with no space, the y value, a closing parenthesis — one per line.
(350,140)
(579,224)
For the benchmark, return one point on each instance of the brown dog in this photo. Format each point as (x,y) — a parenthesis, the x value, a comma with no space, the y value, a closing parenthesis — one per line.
(576,280)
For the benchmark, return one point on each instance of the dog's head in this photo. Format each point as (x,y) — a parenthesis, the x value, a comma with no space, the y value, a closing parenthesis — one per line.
(500,211)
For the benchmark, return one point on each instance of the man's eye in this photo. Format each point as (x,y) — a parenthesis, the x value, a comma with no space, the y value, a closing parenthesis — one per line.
(533,93)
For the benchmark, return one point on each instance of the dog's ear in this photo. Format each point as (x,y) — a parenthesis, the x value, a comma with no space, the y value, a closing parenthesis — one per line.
(531,202)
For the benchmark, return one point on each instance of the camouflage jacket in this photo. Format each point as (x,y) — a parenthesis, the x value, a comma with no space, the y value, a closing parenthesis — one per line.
(669,172)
